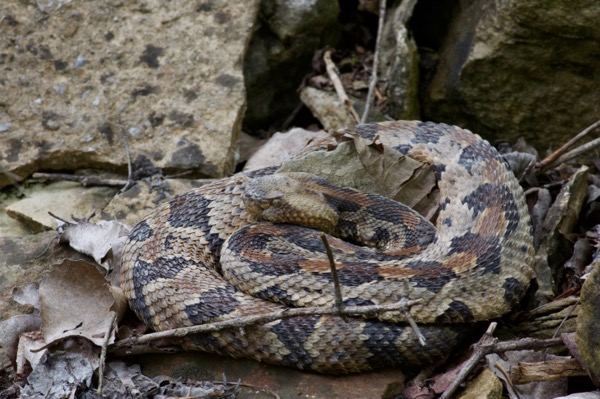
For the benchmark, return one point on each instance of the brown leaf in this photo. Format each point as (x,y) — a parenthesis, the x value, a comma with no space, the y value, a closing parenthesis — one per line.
(101,241)
(372,167)
(12,328)
(76,301)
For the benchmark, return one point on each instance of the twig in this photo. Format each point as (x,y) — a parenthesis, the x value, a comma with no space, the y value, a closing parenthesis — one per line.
(489,344)
(373,81)
(413,324)
(555,157)
(578,151)
(83,180)
(339,87)
(370,311)
(486,341)
(337,289)
(103,353)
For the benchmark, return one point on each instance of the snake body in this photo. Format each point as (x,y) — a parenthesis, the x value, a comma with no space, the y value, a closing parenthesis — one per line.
(258,231)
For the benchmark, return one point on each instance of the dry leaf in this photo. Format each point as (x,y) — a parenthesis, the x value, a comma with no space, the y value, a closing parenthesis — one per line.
(102,241)
(28,353)
(370,167)
(60,376)
(76,301)
(404,179)
(121,379)
(556,233)
(11,329)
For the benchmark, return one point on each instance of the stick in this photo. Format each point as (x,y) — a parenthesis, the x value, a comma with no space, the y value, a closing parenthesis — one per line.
(415,327)
(83,180)
(337,289)
(103,353)
(578,151)
(371,310)
(556,155)
(339,87)
(373,81)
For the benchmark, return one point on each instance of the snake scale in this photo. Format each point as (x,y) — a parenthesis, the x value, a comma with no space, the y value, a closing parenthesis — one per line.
(247,245)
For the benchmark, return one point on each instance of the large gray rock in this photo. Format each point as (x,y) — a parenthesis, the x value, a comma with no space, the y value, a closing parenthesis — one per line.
(76,80)
(280,54)
(520,67)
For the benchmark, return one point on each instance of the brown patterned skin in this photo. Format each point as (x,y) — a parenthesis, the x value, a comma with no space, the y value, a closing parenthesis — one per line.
(473,265)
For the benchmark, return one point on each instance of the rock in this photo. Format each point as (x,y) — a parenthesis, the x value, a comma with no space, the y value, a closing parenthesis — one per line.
(10,227)
(64,199)
(77,80)
(399,65)
(485,386)
(327,108)
(280,54)
(518,68)
(281,147)
(248,145)
(261,378)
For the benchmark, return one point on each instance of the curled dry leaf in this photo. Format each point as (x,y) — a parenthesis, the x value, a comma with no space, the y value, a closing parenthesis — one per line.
(556,231)
(27,353)
(404,179)
(102,241)
(76,301)
(370,167)
(521,164)
(12,328)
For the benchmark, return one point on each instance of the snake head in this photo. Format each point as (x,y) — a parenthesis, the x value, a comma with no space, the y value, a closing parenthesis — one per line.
(290,198)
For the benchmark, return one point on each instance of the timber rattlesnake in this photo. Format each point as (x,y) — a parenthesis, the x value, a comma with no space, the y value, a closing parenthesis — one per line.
(474,265)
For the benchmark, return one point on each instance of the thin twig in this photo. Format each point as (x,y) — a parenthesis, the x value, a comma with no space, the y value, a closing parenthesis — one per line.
(489,344)
(556,155)
(478,353)
(103,353)
(578,151)
(83,180)
(366,311)
(337,289)
(414,326)
(339,87)
(373,81)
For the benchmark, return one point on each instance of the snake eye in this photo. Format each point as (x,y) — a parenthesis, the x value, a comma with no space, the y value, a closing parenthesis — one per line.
(276,203)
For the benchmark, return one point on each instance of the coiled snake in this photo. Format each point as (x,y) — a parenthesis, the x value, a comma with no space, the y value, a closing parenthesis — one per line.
(473,265)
